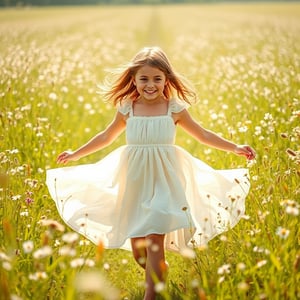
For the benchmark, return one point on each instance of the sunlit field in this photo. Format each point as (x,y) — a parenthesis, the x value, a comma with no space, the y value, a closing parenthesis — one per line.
(244,61)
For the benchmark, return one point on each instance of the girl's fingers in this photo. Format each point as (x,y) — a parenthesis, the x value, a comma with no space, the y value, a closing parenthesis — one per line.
(250,153)
(63,157)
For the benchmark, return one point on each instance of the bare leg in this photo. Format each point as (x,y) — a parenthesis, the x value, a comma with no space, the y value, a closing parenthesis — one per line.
(139,250)
(156,267)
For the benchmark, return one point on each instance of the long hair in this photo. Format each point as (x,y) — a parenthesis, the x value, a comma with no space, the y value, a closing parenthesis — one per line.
(123,87)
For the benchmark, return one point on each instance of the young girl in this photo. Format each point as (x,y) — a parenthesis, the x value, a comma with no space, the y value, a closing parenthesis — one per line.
(150,194)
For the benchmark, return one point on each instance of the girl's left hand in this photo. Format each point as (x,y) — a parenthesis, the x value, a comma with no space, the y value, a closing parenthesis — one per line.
(245,150)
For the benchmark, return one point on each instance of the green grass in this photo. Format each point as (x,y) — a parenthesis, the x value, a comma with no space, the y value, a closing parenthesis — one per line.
(244,61)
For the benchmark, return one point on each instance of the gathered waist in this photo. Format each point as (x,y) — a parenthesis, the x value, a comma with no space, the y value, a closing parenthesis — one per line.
(150,145)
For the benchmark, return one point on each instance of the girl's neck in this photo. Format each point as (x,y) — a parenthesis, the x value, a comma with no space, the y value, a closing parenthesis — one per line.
(144,107)
(145,101)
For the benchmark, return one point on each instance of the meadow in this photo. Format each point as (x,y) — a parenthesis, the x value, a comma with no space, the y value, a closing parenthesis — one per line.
(244,60)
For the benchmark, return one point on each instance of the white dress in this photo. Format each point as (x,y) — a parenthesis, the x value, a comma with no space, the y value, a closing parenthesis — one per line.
(149,186)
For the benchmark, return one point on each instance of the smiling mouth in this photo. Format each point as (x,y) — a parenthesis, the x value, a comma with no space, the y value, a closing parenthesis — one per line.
(150,92)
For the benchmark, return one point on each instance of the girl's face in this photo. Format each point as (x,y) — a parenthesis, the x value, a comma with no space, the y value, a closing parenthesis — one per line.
(150,83)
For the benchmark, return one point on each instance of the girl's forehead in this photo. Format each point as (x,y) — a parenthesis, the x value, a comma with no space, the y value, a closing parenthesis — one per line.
(148,70)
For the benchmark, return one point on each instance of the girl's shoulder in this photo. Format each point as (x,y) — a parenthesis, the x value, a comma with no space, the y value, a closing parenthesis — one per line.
(125,106)
(177,105)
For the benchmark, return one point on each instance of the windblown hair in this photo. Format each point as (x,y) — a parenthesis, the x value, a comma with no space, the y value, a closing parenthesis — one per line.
(124,88)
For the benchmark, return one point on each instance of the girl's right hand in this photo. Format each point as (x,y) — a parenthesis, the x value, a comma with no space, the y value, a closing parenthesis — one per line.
(66,156)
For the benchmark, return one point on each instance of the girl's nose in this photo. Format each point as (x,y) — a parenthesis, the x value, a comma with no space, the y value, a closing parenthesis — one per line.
(150,83)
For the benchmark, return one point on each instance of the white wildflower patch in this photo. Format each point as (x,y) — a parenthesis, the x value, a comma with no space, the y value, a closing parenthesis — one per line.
(28,246)
(42,252)
(77,262)
(282,232)
(261,263)
(94,282)
(38,276)
(225,269)
(67,251)
(243,286)
(7,265)
(291,207)
(52,96)
(70,237)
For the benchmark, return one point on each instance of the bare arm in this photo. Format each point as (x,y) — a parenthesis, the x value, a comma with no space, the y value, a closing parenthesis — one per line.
(99,141)
(209,138)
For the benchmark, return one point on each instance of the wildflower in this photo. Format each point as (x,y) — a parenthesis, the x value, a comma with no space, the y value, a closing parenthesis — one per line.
(124,261)
(42,252)
(221,279)
(4,257)
(89,262)
(94,282)
(261,263)
(64,89)
(77,262)
(38,275)
(282,232)
(52,96)
(225,269)
(15,297)
(261,250)
(243,286)
(6,265)
(257,130)
(251,163)
(14,151)
(223,238)
(290,210)
(52,224)
(28,246)
(106,266)
(241,266)
(187,253)
(24,213)
(243,129)
(67,251)
(194,283)
(70,237)
(28,200)
(16,197)
(291,207)
(268,117)
(84,242)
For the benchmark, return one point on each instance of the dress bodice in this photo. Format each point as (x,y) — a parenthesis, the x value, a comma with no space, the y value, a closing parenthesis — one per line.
(153,130)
